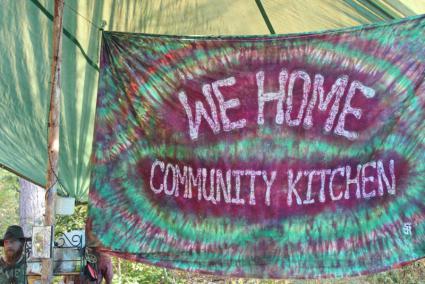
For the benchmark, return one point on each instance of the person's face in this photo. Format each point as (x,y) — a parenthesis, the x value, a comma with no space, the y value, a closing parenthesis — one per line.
(12,247)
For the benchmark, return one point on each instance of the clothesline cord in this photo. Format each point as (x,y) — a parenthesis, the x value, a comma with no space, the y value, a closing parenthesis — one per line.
(88,20)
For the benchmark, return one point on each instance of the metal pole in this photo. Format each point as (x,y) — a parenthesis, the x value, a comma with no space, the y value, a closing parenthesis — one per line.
(264,14)
(53,134)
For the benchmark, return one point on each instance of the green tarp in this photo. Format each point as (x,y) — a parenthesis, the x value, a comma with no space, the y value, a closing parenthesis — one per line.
(25,55)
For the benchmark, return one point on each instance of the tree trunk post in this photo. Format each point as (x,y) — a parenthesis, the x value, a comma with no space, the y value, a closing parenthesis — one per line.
(53,133)
(31,206)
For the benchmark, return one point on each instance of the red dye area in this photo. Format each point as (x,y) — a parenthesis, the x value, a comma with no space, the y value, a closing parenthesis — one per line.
(244,90)
(380,180)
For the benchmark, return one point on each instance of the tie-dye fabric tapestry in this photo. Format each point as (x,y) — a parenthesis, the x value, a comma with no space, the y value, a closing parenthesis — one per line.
(262,156)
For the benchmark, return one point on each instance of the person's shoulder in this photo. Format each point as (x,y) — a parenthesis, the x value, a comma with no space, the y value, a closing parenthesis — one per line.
(21,260)
(2,262)
(3,267)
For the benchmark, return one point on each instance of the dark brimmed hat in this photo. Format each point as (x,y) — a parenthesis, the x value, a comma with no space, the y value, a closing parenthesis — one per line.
(14,232)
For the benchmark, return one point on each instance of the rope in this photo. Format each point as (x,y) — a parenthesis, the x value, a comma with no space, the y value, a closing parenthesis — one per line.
(88,20)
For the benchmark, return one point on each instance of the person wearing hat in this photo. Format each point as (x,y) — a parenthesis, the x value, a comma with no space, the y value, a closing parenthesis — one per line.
(12,264)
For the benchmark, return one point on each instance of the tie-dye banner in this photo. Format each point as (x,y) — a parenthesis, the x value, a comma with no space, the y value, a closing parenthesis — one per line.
(262,156)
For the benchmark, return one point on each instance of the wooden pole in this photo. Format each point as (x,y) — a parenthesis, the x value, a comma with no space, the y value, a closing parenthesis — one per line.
(53,133)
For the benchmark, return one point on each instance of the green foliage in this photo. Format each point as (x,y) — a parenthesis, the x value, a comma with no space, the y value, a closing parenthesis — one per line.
(77,221)
(9,200)
(410,274)
(8,181)
(131,272)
